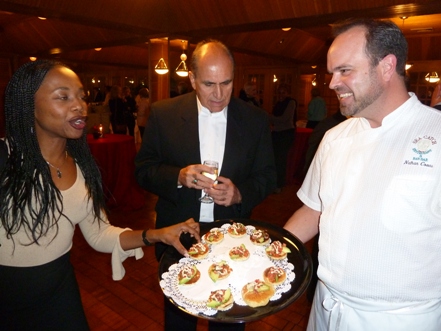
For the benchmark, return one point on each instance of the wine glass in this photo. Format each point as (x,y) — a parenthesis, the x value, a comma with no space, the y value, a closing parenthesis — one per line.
(215,166)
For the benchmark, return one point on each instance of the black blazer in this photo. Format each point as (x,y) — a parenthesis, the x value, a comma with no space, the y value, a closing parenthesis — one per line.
(171,142)
(437,107)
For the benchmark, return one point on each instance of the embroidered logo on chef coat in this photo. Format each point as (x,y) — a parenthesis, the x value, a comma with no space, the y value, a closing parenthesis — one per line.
(422,148)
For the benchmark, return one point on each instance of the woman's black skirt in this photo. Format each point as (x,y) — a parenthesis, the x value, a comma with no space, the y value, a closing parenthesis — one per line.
(44,297)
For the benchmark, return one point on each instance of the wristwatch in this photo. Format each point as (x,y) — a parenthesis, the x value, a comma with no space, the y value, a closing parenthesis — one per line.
(144,239)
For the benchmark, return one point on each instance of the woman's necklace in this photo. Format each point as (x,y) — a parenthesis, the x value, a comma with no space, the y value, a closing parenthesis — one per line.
(59,173)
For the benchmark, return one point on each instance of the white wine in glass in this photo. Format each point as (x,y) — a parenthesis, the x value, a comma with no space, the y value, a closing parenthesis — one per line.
(215,166)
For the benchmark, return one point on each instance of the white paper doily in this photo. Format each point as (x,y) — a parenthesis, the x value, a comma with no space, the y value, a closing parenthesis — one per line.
(194,297)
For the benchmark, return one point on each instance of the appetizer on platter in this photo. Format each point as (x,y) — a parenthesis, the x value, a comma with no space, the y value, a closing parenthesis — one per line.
(219,270)
(260,237)
(214,236)
(237,230)
(188,275)
(220,299)
(199,251)
(274,275)
(277,250)
(239,253)
(257,293)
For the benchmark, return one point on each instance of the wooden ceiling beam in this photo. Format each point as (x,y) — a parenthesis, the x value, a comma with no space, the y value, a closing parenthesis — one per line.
(325,19)
(77,19)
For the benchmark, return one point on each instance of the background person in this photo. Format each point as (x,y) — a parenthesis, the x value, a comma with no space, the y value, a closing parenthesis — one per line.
(130,109)
(283,119)
(143,105)
(206,124)
(118,110)
(373,190)
(249,94)
(316,109)
(49,183)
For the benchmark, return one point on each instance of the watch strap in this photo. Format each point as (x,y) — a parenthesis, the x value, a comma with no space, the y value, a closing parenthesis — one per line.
(144,239)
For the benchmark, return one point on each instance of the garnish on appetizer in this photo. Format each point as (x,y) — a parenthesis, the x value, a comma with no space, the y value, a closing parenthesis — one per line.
(274,275)
(198,251)
(260,237)
(237,230)
(188,275)
(239,253)
(220,299)
(257,293)
(214,236)
(277,250)
(219,270)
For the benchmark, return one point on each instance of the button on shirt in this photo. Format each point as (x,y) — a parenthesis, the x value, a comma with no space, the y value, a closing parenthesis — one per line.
(212,134)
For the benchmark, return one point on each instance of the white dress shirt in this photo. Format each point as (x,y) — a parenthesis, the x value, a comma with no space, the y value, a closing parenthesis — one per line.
(212,133)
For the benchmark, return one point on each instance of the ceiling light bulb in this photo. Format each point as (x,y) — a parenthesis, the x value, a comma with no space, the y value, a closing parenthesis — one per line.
(55,51)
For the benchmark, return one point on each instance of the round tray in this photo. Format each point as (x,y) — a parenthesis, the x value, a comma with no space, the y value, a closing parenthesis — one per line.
(299,258)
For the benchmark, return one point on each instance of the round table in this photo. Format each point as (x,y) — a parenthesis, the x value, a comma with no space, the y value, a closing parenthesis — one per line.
(115,155)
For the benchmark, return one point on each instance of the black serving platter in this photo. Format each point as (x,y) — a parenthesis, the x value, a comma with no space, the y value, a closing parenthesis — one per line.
(299,257)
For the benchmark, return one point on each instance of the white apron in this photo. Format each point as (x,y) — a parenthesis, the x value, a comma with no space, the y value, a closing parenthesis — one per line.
(335,311)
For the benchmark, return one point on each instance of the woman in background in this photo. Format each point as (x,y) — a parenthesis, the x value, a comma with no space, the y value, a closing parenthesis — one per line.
(49,183)
(143,109)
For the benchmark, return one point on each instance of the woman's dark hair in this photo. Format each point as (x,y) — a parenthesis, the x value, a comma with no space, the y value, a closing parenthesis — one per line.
(382,38)
(29,200)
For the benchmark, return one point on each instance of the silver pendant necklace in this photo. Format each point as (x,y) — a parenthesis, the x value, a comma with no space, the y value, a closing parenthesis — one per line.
(59,173)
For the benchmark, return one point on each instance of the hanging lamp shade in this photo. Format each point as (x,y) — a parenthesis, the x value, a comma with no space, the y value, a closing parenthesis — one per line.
(161,67)
(182,69)
(432,77)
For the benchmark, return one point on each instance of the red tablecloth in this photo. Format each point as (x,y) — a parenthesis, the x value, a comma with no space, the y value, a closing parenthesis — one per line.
(115,155)
(296,156)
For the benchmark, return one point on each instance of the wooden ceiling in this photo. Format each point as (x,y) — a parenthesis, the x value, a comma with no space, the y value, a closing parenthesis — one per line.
(251,28)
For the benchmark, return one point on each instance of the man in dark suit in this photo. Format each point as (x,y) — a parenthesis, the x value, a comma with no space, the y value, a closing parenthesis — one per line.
(435,102)
(206,124)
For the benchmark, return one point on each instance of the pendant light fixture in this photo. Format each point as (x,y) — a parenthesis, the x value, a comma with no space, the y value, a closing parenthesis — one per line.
(432,77)
(161,67)
(182,69)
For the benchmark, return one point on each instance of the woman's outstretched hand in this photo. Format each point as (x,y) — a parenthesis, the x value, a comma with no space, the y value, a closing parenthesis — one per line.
(170,235)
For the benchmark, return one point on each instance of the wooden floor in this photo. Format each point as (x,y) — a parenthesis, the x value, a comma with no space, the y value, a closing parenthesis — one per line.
(136,302)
